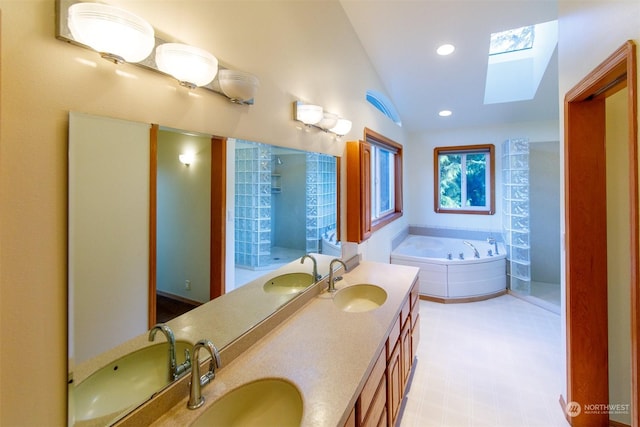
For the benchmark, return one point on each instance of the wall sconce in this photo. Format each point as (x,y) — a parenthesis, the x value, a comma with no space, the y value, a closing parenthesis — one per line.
(187,158)
(190,65)
(314,116)
(116,34)
(121,36)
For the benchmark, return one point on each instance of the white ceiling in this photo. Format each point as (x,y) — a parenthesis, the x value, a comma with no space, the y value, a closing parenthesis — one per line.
(401,37)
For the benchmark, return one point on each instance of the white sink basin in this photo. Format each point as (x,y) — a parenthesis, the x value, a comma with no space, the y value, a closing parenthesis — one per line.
(125,382)
(290,283)
(360,298)
(266,402)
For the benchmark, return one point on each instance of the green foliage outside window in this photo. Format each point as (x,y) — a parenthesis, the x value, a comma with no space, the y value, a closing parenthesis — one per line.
(464,179)
(451,182)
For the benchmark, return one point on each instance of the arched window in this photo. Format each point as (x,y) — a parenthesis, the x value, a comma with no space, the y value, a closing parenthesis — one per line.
(384,104)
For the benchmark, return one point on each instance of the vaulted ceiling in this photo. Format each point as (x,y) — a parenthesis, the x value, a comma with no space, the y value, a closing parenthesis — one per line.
(401,38)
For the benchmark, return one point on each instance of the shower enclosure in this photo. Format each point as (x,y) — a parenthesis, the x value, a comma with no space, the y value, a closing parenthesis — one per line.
(531,219)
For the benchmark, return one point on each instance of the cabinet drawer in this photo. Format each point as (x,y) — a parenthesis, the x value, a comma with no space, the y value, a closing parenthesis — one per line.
(415,337)
(371,386)
(406,309)
(414,294)
(393,337)
(415,311)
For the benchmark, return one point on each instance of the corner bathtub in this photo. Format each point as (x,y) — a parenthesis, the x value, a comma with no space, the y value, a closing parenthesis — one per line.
(454,280)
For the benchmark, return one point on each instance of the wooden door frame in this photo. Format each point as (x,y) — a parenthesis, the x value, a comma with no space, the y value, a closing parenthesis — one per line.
(218,190)
(585,240)
(218,216)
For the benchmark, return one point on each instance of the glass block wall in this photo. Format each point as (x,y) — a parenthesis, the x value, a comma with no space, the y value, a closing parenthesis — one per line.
(515,213)
(253,205)
(321,194)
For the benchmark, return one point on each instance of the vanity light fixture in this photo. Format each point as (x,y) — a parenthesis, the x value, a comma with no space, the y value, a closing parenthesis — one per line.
(121,36)
(116,34)
(187,158)
(308,114)
(190,65)
(445,113)
(329,121)
(342,127)
(315,116)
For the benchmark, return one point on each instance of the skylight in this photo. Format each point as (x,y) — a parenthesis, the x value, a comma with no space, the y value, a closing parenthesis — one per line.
(384,104)
(516,64)
(512,40)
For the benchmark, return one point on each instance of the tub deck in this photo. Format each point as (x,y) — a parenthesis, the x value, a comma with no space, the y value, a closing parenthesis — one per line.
(460,279)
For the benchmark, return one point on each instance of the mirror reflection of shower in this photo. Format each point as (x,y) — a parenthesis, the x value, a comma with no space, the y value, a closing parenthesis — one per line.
(285,206)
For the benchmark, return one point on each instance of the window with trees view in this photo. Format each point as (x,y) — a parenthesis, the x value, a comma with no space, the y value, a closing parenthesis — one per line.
(464,179)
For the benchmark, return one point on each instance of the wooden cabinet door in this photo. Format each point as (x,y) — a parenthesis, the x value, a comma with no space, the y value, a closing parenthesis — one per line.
(394,384)
(358,191)
(351,421)
(405,352)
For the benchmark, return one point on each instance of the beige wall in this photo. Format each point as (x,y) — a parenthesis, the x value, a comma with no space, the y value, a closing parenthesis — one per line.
(299,50)
(419,165)
(589,31)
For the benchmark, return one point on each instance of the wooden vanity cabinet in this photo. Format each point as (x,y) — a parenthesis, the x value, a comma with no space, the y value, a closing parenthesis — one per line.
(351,421)
(382,395)
(371,405)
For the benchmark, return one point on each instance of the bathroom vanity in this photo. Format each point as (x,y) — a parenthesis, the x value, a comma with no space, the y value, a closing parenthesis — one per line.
(335,363)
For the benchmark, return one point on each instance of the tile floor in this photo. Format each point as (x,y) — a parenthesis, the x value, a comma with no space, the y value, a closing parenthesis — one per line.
(490,363)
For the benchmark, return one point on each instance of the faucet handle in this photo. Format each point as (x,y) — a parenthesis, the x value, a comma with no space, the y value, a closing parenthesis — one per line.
(186,365)
(214,364)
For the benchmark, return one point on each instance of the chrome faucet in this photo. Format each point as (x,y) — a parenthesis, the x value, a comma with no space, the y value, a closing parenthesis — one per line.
(476,254)
(333,280)
(197,382)
(316,277)
(175,370)
(494,242)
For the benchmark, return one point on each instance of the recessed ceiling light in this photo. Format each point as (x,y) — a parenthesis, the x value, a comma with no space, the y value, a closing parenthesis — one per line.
(445,113)
(446,49)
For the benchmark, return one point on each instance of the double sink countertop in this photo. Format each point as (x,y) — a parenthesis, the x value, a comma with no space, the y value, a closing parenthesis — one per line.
(325,352)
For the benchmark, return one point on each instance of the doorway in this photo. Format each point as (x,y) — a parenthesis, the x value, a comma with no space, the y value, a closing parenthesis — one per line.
(587,312)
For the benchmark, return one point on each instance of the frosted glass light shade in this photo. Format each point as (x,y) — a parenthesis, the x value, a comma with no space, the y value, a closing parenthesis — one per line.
(238,85)
(192,66)
(329,120)
(117,34)
(342,127)
(308,114)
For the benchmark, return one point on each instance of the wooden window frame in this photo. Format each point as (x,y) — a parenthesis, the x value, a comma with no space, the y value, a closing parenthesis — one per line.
(359,220)
(465,149)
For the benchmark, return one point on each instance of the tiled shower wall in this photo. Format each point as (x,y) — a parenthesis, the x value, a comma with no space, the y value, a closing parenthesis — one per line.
(253,202)
(321,198)
(253,205)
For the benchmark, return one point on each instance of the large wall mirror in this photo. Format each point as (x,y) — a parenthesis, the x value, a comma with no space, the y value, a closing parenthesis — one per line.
(280,203)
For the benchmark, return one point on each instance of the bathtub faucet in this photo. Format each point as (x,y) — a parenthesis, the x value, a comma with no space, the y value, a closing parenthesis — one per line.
(476,254)
(494,242)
